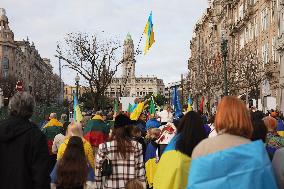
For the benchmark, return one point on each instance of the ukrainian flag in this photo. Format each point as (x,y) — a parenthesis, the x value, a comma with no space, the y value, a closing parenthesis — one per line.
(280,127)
(137,111)
(243,167)
(151,164)
(189,103)
(77,112)
(173,168)
(149,32)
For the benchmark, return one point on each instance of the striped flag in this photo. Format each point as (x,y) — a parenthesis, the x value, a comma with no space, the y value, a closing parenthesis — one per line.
(149,32)
(77,112)
(189,104)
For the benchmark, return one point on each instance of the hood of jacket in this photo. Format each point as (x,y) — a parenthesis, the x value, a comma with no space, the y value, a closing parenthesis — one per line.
(13,127)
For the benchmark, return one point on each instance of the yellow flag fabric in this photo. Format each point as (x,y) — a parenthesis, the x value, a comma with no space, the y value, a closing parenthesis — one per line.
(150,167)
(281,133)
(53,122)
(172,171)
(149,33)
(78,114)
(137,111)
(189,107)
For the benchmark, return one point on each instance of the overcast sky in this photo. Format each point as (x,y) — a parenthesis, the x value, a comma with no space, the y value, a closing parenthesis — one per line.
(47,21)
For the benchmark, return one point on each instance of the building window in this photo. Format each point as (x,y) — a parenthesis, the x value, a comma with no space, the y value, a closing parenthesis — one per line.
(274,56)
(242,40)
(265,53)
(241,11)
(5,63)
(255,27)
(264,19)
(5,49)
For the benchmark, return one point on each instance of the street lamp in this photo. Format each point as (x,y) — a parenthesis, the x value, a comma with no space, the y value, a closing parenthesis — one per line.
(77,79)
(224,50)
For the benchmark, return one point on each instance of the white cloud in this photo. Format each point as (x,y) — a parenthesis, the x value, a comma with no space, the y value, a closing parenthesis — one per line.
(46,22)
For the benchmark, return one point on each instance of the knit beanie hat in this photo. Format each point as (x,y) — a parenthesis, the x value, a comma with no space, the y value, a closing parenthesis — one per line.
(122,120)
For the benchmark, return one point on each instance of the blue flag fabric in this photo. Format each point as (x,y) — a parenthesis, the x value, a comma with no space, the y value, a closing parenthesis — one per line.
(176,103)
(242,167)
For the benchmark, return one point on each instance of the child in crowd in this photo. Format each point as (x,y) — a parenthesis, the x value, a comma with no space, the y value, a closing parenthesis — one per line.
(134,184)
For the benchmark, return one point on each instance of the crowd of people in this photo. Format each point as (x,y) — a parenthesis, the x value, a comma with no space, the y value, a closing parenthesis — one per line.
(236,148)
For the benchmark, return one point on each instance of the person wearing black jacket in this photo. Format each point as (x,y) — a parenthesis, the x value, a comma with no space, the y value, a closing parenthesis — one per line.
(24,159)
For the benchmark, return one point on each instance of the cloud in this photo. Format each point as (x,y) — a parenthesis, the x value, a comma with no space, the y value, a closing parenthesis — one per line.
(46,22)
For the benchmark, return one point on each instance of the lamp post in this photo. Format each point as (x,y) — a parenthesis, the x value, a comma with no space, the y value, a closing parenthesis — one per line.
(77,79)
(224,50)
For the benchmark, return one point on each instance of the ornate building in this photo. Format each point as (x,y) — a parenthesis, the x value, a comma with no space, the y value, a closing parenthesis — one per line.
(251,30)
(20,60)
(280,49)
(128,84)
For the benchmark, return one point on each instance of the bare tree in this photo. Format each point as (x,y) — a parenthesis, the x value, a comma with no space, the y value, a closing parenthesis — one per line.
(95,59)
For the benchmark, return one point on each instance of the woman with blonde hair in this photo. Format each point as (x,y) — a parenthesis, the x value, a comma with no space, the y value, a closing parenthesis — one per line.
(230,159)
(75,129)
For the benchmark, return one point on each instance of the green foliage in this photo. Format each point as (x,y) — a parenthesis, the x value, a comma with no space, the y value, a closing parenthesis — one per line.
(39,112)
(86,100)
(103,102)
(159,99)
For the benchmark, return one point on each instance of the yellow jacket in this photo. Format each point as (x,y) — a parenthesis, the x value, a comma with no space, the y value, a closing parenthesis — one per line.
(87,148)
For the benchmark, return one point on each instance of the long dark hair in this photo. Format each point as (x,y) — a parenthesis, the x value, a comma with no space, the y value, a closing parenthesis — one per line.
(124,141)
(72,168)
(191,132)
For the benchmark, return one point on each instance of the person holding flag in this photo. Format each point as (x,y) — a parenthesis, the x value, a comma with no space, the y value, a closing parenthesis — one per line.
(247,164)
(173,167)
(51,129)
(96,131)
(138,109)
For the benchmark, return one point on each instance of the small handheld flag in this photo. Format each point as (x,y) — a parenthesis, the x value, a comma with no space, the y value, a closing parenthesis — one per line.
(115,106)
(129,108)
(149,32)
(189,104)
(152,109)
(77,112)
(176,103)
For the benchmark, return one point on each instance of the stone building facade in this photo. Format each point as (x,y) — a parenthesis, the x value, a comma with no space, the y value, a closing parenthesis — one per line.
(20,60)
(128,85)
(280,49)
(251,30)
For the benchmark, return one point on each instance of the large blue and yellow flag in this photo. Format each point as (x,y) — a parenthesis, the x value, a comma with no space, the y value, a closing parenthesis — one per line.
(135,114)
(173,168)
(149,32)
(77,112)
(244,166)
(150,163)
(280,127)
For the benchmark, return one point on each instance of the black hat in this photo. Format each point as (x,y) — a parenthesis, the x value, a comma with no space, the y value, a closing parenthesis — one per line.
(122,120)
